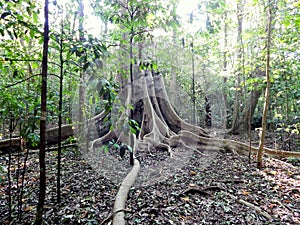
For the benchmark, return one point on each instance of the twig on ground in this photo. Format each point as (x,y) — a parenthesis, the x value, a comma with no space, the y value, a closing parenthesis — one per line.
(256,208)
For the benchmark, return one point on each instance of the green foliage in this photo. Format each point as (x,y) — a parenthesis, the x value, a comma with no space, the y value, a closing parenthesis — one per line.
(293,160)
(88,51)
(171,54)
(102,94)
(115,146)
(133,126)
(33,138)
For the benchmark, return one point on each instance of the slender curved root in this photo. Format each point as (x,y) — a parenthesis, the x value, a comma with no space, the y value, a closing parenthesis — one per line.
(107,137)
(119,205)
(152,142)
(161,128)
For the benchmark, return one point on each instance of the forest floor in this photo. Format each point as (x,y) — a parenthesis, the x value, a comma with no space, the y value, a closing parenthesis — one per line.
(201,187)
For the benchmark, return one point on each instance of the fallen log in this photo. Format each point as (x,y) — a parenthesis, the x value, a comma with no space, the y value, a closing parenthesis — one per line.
(51,138)
(52,134)
(6,143)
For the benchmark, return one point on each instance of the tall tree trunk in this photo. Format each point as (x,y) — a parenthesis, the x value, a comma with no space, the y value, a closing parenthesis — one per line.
(235,116)
(224,95)
(173,89)
(267,92)
(42,193)
(248,111)
(193,85)
(81,84)
(61,78)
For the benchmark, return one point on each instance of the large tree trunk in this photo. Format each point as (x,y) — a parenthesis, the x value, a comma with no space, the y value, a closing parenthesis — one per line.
(160,126)
(242,125)
(238,70)
(248,111)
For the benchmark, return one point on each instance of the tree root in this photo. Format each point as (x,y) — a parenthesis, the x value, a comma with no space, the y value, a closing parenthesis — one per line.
(250,205)
(203,191)
(98,142)
(162,128)
(230,145)
(119,205)
(110,216)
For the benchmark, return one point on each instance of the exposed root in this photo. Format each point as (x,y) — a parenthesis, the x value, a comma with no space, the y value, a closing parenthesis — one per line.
(230,145)
(119,205)
(160,145)
(161,128)
(107,137)
(250,205)
(203,191)
(110,216)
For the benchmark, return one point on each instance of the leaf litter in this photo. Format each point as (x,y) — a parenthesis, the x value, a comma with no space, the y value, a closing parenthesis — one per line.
(211,188)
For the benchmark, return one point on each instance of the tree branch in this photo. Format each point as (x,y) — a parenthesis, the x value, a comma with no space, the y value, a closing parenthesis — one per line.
(27,78)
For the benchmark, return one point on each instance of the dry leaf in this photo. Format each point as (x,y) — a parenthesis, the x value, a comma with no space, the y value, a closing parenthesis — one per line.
(186,198)
(246,193)
(271,206)
(193,173)
(29,208)
(273,172)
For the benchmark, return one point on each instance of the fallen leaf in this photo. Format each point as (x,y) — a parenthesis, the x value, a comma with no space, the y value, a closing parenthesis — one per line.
(273,172)
(83,215)
(245,192)
(29,208)
(193,173)
(186,198)
(271,206)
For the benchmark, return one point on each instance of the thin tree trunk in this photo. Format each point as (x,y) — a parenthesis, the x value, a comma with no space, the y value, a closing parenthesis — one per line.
(267,92)
(42,153)
(81,84)
(224,95)
(8,170)
(193,85)
(60,113)
(237,99)
(173,89)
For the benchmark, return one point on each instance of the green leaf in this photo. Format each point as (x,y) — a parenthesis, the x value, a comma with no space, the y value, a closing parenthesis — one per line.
(35,17)
(32,33)
(116,145)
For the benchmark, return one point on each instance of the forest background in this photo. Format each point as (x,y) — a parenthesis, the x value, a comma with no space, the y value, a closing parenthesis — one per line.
(212,58)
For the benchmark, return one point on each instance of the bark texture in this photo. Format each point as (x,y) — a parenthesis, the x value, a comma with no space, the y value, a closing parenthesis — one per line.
(160,126)
(242,125)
